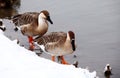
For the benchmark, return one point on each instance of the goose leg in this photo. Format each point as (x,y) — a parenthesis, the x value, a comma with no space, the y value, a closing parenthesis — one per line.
(60,58)
(31,47)
(53,58)
(63,60)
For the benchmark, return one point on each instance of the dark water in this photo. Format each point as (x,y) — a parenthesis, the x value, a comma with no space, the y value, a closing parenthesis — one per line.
(95,22)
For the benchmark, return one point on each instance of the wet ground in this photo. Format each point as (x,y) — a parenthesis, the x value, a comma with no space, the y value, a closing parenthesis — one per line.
(95,22)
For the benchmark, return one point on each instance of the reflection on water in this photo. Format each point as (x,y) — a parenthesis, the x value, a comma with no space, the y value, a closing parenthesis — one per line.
(8,12)
(108,77)
(17,4)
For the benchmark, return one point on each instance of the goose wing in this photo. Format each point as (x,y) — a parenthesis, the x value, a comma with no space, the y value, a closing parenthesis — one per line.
(25,18)
(53,39)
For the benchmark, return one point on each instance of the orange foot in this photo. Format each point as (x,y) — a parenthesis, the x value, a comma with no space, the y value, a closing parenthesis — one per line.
(32,47)
(31,43)
(53,58)
(63,60)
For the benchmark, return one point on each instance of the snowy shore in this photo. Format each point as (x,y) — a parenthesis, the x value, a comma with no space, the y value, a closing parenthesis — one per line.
(18,62)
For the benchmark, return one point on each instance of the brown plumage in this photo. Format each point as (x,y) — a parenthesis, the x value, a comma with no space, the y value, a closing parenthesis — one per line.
(25,18)
(53,37)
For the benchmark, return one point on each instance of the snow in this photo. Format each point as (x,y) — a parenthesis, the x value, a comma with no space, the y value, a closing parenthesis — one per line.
(18,62)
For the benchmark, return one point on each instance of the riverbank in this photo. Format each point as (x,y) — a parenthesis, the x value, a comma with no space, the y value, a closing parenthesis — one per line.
(9,3)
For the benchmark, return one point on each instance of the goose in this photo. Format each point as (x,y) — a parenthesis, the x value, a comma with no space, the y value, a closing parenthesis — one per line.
(32,24)
(107,71)
(2,26)
(57,44)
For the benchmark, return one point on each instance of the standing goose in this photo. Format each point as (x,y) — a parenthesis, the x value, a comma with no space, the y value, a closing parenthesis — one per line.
(32,24)
(57,44)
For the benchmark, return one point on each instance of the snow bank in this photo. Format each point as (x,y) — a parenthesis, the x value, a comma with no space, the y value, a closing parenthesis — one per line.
(18,62)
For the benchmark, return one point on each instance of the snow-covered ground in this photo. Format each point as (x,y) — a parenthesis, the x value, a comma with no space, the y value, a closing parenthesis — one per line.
(18,62)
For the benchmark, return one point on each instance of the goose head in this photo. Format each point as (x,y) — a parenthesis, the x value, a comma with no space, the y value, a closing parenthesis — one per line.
(45,14)
(72,39)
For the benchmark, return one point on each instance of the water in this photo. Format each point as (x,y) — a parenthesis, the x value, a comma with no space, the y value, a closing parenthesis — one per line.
(95,22)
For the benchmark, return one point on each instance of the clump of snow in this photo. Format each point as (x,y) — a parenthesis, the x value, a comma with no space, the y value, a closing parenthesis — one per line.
(18,62)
